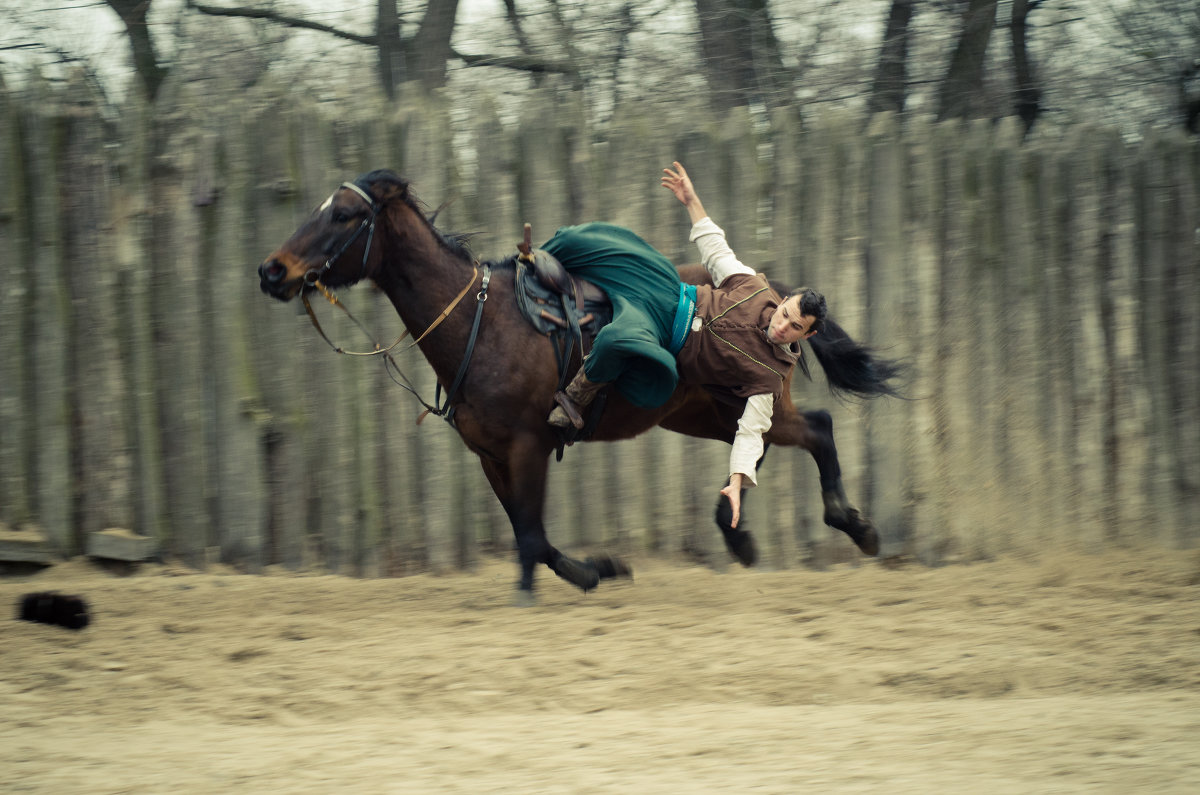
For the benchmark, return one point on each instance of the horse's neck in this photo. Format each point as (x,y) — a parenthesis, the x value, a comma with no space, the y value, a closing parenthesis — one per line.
(423,279)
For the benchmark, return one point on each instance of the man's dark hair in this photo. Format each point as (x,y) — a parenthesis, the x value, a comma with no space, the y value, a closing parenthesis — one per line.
(812,303)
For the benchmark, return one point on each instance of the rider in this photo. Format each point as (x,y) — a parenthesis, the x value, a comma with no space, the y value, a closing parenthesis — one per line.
(738,337)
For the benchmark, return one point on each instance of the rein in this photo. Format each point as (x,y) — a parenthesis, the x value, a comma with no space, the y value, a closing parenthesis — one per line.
(440,408)
(377,350)
(313,279)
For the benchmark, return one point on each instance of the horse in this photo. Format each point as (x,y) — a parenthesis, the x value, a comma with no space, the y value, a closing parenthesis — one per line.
(500,374)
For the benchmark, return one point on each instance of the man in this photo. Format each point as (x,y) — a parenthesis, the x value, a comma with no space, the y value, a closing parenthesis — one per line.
(738,338)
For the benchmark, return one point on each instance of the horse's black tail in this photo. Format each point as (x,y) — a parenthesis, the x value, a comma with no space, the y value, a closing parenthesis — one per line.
(852,368)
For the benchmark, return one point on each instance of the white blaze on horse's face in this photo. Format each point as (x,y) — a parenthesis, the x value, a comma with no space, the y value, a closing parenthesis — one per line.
(328,202)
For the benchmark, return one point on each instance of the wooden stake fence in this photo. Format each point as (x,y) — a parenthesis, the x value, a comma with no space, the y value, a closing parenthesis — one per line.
(1045,294)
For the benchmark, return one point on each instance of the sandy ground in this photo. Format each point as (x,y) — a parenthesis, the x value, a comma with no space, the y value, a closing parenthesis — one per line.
(1068,674)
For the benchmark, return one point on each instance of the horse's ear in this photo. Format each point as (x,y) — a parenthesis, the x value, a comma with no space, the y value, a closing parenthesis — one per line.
(385,186)
(386,191)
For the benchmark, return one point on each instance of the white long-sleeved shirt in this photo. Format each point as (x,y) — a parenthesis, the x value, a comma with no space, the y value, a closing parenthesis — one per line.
(721,263)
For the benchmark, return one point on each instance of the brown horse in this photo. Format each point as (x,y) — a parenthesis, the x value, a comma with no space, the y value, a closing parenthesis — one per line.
(501,374)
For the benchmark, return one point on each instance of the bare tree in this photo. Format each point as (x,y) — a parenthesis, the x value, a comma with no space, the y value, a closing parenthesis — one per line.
(890,87)
(741,56)
(146,64)
(961,92)
(1160,42)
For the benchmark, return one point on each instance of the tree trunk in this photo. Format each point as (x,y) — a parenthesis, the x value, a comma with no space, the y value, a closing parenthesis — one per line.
(430,48)
(1189,95)
(1026,96)
(390,47)
(891,74)
(145,59)
(961,89)
(741,55)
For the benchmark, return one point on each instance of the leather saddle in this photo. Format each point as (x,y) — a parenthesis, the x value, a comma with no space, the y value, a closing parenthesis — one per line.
(557,303)
(568,309)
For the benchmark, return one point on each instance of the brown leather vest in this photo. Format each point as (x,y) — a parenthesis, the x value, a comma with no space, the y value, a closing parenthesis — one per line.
(727,350)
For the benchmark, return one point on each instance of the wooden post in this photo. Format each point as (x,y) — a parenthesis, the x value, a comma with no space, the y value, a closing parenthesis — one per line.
(97,389)
(888,289)
(240,463)
(179,355)
(961,481)
(286,351)
(929,537)
(16,376)
(846,287)
(1187,237)
(1087,340)
(1127,425)
(131,234)
(1170,327)
(50,413)
(1030,349)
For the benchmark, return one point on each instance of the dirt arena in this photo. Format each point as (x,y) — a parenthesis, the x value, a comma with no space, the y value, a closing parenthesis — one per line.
(1066,674)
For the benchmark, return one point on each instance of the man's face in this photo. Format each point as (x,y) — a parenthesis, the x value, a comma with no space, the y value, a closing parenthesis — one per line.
(788,325)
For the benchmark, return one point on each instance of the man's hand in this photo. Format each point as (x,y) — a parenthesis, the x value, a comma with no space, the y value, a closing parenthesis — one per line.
(734,492)
(677,181)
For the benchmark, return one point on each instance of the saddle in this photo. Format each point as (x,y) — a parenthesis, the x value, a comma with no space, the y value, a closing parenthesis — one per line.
(568,309)
(553,300)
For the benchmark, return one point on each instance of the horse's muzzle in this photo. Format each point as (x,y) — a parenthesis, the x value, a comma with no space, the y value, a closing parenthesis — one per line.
(272,277)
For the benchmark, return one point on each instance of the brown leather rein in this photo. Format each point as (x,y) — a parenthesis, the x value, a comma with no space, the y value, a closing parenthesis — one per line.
(378,350)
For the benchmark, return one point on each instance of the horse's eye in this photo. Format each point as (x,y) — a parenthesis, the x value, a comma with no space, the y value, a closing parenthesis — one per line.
(340,217)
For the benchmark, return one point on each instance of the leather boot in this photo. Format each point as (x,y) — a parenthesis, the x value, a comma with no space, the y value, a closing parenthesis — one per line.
(578,395)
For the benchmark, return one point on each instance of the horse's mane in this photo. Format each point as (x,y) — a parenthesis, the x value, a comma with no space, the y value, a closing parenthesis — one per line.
(457,243)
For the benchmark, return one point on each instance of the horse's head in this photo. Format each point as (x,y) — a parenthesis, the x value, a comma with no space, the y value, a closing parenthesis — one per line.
(334,246)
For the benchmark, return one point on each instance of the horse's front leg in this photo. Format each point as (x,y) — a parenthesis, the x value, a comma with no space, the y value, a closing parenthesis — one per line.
(520,484)
(521,491)
(813,431)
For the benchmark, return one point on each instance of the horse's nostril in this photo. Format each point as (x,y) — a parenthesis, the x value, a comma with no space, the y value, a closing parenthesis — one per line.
(272,271)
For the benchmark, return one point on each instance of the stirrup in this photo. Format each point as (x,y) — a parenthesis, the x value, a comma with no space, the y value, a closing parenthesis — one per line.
(569,408)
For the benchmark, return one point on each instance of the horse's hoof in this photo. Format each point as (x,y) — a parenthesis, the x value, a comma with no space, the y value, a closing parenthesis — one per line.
(582,574)
(741,545)
(863,533)
(524,598)
(609,568)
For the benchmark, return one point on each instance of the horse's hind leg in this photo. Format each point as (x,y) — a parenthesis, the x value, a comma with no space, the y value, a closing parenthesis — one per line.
(813,430)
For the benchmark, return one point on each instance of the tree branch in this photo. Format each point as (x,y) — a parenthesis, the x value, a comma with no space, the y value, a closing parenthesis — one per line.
(514,19)
(523,63)
(282,19)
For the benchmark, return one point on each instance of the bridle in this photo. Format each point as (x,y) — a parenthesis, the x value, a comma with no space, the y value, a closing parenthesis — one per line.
(314,276)
(312,279)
